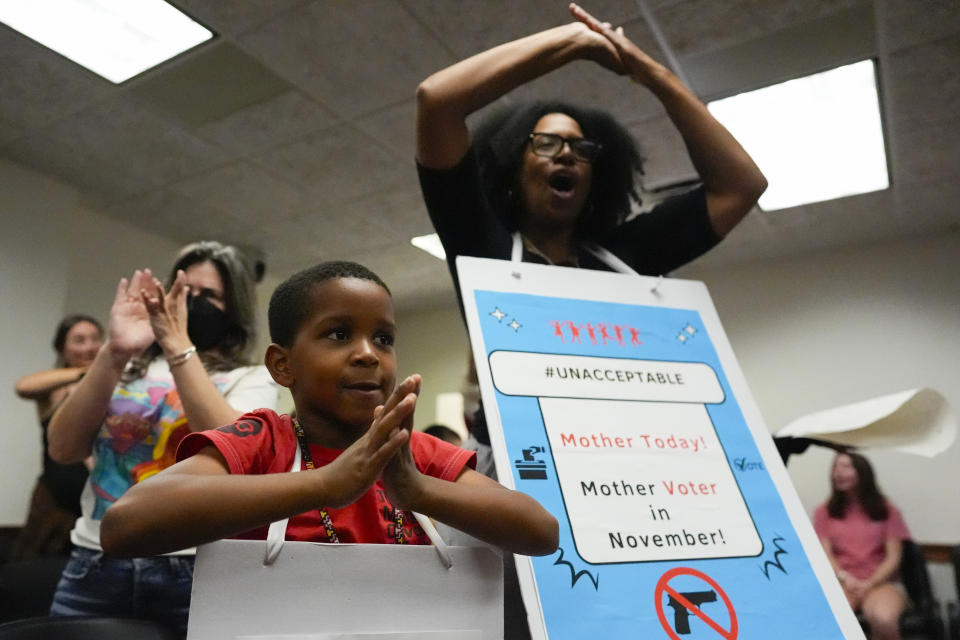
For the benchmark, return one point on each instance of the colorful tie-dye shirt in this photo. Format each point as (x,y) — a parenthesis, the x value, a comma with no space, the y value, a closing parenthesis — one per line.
(139,437)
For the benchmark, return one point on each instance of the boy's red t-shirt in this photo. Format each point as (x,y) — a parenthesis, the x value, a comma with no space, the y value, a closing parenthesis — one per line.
(264,442)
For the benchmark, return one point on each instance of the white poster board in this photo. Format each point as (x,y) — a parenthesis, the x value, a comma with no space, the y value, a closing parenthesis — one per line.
(618,404)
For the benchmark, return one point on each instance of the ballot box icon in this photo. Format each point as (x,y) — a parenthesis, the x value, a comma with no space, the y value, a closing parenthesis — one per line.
(529,467)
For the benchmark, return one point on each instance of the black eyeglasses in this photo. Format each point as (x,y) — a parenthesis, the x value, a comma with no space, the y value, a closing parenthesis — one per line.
(549,145)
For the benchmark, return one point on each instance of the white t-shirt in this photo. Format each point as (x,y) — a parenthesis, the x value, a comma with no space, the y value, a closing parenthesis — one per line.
(140,433)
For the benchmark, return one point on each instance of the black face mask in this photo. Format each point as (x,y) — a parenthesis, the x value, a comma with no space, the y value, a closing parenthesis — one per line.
(207,325)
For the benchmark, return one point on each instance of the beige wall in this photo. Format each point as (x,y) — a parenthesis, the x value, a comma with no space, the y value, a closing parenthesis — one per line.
(58,256)
(433,343)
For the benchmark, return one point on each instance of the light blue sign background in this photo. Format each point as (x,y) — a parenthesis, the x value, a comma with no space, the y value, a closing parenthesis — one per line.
(784,601)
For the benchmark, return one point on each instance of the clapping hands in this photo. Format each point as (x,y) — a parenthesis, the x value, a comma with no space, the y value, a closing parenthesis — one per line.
(382,452)
(129,331)
(167,312)
(143,313)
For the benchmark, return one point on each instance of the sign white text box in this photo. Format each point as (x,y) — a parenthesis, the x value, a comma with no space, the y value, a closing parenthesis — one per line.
(646,481)
(559,376)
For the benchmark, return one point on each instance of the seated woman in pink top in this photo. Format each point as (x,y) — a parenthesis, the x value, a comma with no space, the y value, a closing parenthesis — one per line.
(863,536)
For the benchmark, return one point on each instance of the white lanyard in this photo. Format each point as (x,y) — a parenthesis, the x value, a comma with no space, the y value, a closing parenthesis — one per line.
(278,530)
(602,254)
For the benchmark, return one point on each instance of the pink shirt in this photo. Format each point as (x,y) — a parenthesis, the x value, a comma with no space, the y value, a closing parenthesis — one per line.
(857,542)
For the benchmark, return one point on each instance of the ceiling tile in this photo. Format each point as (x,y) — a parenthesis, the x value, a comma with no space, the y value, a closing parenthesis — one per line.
(337,165)
(697,26)
(39,86)
(325,170)
(906,24)
(245,191)
(9,131)
(923,84)
(930,207)
(234,18)
(478,25)
(927,152)
(337,235)
(587,84)
(394,128)
(352,57)
(123,133)
(268,124)
(400,212)
(208,84)
(408,272)
(166,213)
(666,160)
(835,223)
(174,215)
(99,183)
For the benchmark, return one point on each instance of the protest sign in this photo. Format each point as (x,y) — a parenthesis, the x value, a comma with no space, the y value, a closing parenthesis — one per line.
(616,401)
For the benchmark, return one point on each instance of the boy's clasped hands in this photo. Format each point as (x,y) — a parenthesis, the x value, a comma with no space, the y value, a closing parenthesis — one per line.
(383,452)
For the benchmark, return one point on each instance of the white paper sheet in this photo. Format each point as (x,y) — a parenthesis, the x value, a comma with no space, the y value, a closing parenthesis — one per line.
(918,421)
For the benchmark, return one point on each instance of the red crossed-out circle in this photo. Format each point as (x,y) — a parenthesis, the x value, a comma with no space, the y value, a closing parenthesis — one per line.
(663,586)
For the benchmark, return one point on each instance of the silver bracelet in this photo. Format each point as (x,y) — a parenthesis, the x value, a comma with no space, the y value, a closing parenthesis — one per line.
(181,357)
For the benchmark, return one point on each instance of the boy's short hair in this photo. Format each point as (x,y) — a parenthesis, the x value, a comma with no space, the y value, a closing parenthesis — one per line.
(291,304)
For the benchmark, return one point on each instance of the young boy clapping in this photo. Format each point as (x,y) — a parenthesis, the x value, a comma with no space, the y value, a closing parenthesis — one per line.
(333,333)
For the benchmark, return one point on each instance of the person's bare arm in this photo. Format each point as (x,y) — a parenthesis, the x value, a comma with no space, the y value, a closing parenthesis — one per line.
(446,98)
(48,388)
(41,384)
(203,404)
(732,181)
(75,423)
(489,511)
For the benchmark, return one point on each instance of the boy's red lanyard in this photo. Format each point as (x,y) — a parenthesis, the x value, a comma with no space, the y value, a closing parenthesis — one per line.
(324,514)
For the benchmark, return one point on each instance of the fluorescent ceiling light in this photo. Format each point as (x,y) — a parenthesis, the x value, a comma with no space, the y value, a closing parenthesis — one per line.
(430,244)
(115,38)
(815,138)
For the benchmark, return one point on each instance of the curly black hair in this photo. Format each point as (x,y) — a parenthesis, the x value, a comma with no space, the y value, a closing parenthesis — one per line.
(500,140)
(291,303)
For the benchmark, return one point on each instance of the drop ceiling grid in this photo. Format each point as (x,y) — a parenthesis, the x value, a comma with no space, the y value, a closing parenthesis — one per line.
(326,168)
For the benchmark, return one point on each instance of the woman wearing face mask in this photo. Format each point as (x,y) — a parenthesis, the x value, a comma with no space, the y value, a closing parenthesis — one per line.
(55,502)
(173,362)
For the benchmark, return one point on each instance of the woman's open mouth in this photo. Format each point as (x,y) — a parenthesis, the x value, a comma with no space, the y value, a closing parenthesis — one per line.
(563,187)
(562,183)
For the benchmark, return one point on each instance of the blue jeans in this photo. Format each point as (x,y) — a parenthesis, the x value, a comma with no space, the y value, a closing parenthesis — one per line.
(155,588)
